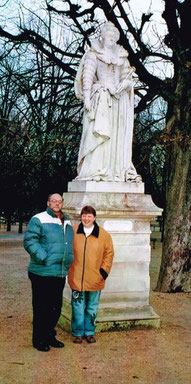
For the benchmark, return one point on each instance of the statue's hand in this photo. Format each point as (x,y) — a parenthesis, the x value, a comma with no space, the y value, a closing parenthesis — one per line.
(125,85)
(111,89)
(87,104)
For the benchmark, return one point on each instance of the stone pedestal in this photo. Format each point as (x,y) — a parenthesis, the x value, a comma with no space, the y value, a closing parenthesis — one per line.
(125,212)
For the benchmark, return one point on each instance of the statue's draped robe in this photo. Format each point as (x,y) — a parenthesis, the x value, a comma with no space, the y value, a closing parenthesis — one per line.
(106,145)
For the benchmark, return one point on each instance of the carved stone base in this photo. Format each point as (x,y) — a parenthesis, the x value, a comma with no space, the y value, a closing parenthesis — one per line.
(106,186)
(126,216)
(115,319)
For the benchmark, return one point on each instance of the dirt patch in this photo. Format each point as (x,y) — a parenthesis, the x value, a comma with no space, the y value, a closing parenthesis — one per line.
(135,357)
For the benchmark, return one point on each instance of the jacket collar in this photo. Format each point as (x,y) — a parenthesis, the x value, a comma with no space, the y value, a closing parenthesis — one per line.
(94,233)
(51,213)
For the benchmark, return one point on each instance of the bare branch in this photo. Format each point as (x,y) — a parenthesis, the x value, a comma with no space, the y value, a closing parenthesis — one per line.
(39,42)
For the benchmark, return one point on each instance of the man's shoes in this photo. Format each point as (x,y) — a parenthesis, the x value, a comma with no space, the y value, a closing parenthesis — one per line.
(90,339)
(42,347)
(56,343)
(77,340)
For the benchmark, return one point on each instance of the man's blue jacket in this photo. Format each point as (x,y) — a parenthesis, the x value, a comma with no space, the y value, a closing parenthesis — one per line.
(50,244)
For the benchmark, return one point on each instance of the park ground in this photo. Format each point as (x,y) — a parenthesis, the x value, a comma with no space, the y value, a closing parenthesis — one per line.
(140,356)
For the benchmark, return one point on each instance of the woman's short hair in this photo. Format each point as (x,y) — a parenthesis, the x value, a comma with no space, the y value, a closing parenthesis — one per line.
(88,209)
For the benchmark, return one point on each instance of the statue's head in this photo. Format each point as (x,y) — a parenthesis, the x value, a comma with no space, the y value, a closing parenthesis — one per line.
(109,33)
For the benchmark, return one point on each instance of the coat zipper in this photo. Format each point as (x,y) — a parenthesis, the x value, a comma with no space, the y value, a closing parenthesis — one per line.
(84,258)
(65,243)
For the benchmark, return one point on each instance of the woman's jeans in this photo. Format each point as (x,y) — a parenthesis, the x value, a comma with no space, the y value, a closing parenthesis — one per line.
(84,312)
(47,293)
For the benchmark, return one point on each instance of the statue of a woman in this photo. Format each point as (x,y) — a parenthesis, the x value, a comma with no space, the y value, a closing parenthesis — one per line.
(104,83)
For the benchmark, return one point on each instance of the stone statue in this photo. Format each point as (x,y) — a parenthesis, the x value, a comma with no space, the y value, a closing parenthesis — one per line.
(104,83)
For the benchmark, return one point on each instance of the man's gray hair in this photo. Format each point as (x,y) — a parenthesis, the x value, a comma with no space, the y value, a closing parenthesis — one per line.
(50,195)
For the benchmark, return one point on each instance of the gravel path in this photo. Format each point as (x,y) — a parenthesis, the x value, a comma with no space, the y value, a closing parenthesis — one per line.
(136,357)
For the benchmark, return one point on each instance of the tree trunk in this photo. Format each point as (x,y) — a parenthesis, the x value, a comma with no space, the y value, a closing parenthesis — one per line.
(8,223)
(175,272)
(20,230)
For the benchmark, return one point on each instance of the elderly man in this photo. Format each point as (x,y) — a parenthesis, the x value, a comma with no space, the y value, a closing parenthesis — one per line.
(48,239)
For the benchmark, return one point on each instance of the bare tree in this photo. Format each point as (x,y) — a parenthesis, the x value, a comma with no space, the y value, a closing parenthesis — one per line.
(39,130)
(174,49)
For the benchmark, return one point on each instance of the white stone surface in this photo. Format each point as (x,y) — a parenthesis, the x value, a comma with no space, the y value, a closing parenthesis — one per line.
(124,299)
(113,205)
(105,186)
(127,218)
(105,84)
(132,252)
(118,225)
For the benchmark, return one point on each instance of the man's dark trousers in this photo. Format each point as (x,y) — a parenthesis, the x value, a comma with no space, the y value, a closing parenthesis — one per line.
(47,294)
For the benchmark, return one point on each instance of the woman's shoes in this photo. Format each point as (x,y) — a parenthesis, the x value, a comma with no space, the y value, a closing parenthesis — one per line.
(90,339)
(77,340)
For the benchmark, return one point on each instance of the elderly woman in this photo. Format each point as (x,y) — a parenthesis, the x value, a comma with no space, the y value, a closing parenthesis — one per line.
(104,83)
(93,257)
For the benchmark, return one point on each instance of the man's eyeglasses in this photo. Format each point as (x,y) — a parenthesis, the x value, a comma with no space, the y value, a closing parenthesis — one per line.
(56,201)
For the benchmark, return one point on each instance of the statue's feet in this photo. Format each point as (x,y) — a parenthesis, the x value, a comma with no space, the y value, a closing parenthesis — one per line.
(137,179)
(96,178)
